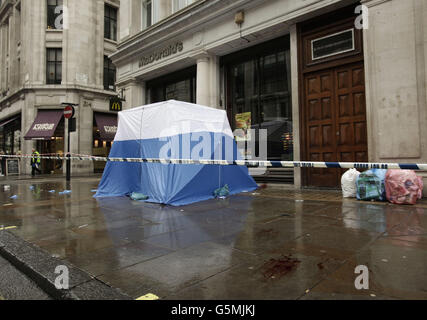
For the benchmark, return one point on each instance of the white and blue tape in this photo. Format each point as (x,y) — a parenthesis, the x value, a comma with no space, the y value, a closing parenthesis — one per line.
(247,163)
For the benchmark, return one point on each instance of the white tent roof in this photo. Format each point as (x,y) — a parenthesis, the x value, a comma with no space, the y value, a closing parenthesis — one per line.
(170,118)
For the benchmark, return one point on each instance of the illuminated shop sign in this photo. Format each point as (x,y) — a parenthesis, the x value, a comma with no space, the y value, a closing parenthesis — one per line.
(110,129)
(116,104)
(44,127)
(161,54)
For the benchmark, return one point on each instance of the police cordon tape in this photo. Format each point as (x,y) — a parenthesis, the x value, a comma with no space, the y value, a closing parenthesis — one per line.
(246,163)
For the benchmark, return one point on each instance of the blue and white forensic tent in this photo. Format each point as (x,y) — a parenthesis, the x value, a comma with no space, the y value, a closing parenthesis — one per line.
(174,130)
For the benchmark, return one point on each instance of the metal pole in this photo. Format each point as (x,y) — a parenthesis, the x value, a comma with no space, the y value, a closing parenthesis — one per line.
(68,169)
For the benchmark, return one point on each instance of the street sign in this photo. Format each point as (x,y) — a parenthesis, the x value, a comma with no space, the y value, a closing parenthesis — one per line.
(72,125)
(68,112)
(116,104)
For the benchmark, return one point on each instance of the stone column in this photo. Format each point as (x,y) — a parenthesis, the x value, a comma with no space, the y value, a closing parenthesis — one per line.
(81,141)
(36,50)
(3,54)
(208,81)
(295,103)
(135,94)
(99,48)
(28,114)
(203,79)
(12,52)
(395,67)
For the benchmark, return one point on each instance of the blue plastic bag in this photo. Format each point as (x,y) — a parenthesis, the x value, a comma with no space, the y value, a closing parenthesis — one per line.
(222,192)
(138,196)
(371,185)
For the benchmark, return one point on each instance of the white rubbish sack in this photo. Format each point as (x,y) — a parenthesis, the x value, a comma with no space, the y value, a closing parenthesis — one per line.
(348,183)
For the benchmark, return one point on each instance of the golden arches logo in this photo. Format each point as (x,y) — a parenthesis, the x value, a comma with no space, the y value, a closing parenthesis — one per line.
(116,106)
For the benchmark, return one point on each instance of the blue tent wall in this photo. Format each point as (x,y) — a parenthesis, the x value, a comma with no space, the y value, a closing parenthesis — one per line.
(171,184)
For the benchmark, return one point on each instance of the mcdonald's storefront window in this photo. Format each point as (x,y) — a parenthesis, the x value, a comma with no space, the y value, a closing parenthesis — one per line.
(179,85)
(104,129)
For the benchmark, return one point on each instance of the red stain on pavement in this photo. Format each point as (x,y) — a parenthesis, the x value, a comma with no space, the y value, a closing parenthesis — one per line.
(277,268)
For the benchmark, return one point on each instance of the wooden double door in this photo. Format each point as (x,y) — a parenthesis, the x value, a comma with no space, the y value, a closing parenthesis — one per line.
(335,120)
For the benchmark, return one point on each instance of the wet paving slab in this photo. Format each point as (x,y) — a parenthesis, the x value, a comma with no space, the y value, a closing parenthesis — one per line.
(396,271)
(267,277)
(175,271)
(275,243)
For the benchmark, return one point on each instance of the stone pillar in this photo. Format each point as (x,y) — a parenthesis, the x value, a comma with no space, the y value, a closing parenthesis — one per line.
(99,48)
(208,81)
(80,40)
(28,114)
(203,79)
(135,94)
(3,55)
(395,67)
(295,103)
(81,141)
(36,49)
(12,52)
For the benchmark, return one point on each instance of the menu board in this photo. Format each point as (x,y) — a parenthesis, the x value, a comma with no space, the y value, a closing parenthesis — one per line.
(243,124)
(12,167)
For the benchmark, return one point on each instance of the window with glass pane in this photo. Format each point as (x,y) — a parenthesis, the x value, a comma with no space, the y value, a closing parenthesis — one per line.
(16,141)
(180,4)
(179,86)
(147,13)
(110,23)
(54,10)
(109,74)
(260,94)
(54,66)
(8,142)
(10,137)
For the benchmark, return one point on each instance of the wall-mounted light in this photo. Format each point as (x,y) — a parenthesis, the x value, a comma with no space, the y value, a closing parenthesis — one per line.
(239,17)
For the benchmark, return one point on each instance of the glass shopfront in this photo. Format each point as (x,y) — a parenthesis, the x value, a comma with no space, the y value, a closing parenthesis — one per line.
(104,131)
(10,135)
(53,146)
(10,138)
(48,130)
(258,86)
(179,86)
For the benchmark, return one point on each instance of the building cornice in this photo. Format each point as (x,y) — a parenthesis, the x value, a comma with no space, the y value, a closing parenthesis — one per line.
(130,40)
(198,16)
(373,3)
(200,13)
(18,94)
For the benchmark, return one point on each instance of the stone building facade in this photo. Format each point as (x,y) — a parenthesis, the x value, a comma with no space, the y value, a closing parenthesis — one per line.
(327,84)
(54,52)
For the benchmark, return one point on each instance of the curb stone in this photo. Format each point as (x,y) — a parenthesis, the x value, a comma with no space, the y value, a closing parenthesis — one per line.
(40,267)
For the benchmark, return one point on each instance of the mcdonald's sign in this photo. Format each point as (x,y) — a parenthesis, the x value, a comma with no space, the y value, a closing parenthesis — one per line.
(116,104)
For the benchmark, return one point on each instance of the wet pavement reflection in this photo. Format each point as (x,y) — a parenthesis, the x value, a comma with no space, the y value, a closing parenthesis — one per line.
(270,244)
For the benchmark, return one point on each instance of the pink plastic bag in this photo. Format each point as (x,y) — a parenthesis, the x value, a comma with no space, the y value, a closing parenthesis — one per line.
(403,186)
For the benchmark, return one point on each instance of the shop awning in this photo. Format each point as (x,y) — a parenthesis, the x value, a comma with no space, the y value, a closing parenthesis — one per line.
(45,125)
(2,124)
(107,125)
